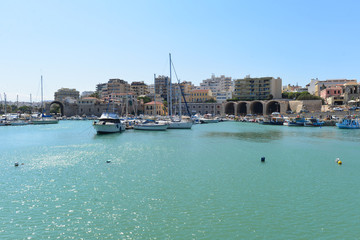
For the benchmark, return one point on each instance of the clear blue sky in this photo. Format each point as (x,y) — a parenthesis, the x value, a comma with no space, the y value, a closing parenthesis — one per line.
(78,44)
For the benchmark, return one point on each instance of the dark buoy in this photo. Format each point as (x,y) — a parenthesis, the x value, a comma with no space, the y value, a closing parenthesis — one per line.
(263,159)
(16,164)
(108,161)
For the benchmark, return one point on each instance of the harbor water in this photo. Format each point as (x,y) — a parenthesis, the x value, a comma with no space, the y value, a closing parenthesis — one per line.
(204,183)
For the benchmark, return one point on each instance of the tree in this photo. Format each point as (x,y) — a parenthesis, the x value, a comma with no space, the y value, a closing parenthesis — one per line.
(55,108)
(95,95)
(25,109)
(146,99)
(211,100)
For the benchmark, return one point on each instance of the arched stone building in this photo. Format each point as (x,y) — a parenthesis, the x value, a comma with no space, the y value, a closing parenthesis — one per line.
(259,107)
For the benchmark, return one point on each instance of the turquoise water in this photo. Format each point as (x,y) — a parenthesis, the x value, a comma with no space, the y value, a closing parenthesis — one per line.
(204,183)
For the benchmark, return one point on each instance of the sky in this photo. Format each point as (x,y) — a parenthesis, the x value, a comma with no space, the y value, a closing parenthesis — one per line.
(78,44)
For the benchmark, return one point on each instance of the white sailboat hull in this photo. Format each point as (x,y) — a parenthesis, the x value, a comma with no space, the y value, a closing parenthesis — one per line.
(180,125)
(151,127)
(44,121)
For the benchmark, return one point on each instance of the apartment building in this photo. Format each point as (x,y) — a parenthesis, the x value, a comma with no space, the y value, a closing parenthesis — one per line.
(200,96)
(258,88)
(219,86)
(139,88)
(161,86)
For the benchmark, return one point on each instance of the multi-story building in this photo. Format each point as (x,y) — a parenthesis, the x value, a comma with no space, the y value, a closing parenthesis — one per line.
(331,93)
(114,88)
(161,86)
(139,88)
(64,94)
(257,88)
(86,93)
(293,88)
(203,108)
(154,109)
(315,86)
(220,87)
(200,96)
(100,88)
(351,91)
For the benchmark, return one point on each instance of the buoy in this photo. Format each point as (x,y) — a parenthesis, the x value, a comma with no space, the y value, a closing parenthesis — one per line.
(108,161)
(263,159)
(339,162)
(16,164)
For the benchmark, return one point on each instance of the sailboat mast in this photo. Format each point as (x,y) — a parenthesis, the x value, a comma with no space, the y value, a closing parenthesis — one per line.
(155,93)
(5,103)
(179,94)
(170,97)
(31,104)
(42,100)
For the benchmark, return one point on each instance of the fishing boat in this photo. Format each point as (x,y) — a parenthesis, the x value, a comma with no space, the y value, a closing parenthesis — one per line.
(294,122)
(274,119)
(349,123)
(313,122)
(109,123)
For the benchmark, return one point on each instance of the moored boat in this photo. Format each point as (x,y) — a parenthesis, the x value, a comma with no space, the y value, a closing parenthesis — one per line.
(109,123)
(349,123)
(181,124)
(313,122)
(151,126)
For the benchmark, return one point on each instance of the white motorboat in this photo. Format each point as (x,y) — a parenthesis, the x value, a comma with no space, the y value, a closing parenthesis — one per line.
(109,123)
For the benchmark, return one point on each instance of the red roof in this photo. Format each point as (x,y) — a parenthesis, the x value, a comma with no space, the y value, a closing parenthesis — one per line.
(88,98)
(153,103)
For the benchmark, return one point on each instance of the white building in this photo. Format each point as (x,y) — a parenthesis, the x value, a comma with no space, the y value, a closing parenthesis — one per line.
(86,94)
(221,87)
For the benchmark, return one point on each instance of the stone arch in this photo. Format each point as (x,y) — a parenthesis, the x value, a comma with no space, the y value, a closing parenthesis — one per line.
(273,106)
(56,102)
(230,108)
(242,108)
(257,107)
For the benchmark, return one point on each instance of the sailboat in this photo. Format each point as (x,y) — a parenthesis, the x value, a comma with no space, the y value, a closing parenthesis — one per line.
(179,123)
(151,125)
(43,119)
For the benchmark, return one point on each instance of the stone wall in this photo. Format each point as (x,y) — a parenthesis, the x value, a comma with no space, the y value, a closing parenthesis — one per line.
(310,105)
